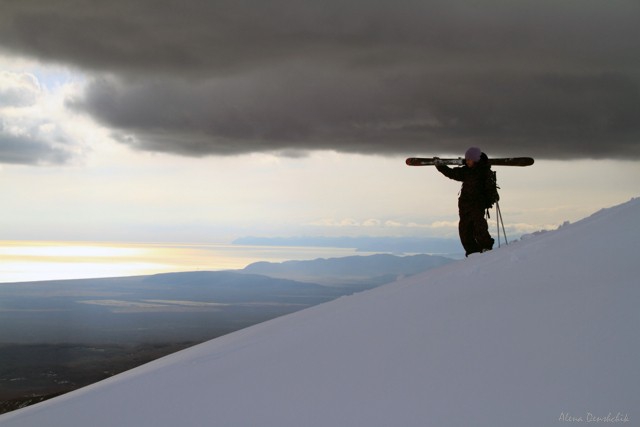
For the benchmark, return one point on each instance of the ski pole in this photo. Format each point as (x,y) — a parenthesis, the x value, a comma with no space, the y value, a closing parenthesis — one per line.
(500,221)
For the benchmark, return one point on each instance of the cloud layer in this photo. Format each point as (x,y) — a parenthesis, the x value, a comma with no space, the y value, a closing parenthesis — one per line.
(27,134)
(543,78)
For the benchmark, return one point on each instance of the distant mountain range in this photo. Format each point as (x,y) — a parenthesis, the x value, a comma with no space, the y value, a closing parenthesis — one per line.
(394,245)
(356,272)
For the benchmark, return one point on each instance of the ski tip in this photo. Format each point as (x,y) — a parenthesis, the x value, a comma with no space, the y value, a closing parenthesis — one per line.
(512,161)
(525,161)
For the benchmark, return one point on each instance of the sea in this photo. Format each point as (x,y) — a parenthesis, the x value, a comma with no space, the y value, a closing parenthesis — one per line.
(29,261)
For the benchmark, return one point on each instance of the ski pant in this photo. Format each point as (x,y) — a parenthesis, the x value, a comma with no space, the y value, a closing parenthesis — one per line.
(474,231)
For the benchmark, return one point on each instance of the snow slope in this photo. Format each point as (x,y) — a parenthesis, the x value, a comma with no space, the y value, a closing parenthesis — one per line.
(539,333)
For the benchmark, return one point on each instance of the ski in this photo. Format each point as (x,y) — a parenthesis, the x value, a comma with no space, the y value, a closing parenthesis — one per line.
(507,161)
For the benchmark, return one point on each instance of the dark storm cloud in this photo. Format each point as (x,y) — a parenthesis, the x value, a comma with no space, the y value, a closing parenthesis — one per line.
(546,78)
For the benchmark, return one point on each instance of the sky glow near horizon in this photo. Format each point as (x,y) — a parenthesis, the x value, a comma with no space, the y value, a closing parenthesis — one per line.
(27,261)
(117,148)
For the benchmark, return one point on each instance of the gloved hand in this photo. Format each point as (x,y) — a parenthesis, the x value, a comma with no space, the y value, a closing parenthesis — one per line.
(437,161)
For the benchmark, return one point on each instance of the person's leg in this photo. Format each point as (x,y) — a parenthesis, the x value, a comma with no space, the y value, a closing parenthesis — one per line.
(466,231)
(481,235)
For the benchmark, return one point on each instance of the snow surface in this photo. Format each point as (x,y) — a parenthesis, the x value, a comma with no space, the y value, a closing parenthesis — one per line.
(538,333)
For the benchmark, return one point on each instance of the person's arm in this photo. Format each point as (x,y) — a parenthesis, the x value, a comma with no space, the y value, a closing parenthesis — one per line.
(456,174)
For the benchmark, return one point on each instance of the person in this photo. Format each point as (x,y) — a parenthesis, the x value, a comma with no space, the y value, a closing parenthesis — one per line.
(472,203)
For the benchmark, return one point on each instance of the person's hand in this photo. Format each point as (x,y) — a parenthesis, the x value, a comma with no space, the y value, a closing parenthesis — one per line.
(437,161)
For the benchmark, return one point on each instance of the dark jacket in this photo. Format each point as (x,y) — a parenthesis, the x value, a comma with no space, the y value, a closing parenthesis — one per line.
(473,194)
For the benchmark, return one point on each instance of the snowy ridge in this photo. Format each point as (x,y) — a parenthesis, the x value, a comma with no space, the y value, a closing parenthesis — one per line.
(538,333)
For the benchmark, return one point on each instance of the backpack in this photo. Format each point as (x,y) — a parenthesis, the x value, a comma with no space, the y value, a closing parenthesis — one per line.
(491,189)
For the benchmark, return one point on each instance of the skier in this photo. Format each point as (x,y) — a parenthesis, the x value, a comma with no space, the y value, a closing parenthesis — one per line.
(473,200)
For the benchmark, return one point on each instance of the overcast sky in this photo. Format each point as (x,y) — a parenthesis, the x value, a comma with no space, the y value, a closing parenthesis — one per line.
(222,115)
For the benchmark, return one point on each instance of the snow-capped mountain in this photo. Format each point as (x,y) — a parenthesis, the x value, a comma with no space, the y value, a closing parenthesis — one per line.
(539,333)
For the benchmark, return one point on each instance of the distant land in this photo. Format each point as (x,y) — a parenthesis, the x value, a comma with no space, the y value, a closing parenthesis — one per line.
(355,272)
(393,245)
(61,335)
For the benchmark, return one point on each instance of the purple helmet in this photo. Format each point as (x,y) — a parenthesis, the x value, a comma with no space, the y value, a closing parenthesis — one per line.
(473,153)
